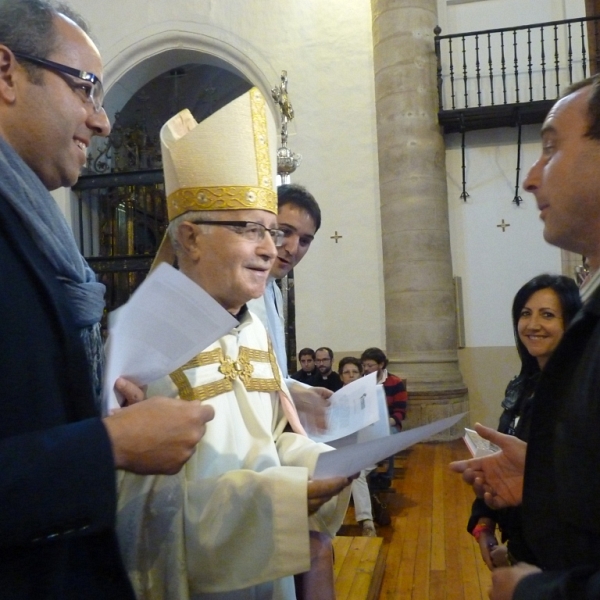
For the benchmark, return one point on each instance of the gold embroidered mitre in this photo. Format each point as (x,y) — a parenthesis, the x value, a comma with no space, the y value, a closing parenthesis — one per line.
(226,162)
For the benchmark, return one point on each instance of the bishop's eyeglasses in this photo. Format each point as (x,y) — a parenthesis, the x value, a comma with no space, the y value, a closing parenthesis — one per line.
(249,230)
(92,91)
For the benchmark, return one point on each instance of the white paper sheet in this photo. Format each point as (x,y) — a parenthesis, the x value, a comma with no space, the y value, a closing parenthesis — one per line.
(379,429)
(351,408)
(166,322)
(351,459)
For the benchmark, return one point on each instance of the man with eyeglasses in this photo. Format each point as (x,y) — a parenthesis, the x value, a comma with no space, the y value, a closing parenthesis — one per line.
(326,377)
(243,515)
(57,456)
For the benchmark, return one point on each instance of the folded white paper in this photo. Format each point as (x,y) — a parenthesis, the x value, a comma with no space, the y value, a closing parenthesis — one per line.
(349,460)
(167,321)
(351,408)
(379,429)
(477,445)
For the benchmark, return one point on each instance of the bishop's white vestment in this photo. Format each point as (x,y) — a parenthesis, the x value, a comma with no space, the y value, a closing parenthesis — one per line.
(232,524)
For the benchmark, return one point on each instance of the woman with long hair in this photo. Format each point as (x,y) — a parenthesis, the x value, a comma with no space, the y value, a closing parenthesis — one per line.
(541,312)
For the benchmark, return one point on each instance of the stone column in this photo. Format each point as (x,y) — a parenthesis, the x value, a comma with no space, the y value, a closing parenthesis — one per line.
(419,291)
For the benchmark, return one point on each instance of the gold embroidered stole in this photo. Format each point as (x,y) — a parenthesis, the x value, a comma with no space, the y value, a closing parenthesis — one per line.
(241,368)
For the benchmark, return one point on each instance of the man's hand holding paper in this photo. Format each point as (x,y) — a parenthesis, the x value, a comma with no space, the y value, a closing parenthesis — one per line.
(497,478)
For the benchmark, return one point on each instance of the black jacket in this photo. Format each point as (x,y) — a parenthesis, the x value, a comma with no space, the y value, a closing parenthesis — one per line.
(57,478)
(561,495)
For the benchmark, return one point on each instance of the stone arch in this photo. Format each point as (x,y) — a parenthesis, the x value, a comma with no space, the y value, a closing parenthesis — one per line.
(131,64)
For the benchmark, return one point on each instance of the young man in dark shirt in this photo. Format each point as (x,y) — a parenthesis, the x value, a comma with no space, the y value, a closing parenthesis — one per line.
(308,370)
(326,377)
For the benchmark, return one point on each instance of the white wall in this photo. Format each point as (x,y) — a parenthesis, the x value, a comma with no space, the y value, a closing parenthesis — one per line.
(475,15)
(326,48)
(494,264)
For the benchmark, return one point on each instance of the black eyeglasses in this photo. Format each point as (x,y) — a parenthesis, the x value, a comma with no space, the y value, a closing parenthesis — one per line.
(249,230)
(92,93)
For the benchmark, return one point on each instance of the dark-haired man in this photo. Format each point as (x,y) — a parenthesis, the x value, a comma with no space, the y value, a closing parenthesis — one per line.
(555,474)
(308,369)
(299,217)
(57,456)
(326,376)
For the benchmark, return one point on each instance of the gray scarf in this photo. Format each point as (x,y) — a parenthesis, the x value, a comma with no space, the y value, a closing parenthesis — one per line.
(38,211)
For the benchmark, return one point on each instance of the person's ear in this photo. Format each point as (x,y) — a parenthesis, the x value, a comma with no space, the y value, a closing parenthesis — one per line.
(8,67)
(188,236)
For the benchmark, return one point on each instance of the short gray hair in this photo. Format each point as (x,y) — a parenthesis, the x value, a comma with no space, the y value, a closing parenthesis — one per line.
(201,215)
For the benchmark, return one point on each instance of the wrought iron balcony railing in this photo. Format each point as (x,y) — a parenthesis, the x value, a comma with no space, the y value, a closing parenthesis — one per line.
(503,77)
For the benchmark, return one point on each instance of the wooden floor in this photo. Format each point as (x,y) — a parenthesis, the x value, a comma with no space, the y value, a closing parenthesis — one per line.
(428,553)
(358,567)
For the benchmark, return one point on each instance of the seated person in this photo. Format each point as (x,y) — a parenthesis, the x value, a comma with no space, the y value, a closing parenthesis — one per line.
(308,369)
(326,376)
(236,521)
(350,369)
(374,360)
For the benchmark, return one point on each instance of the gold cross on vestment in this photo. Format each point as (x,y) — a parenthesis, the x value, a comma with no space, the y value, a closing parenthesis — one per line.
(336,237)
(234,368)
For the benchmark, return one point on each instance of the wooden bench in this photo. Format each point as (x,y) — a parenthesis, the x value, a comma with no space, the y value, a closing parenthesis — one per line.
(358,567)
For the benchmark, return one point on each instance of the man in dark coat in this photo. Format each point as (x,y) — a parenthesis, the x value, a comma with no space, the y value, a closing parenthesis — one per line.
(555,475)
(326,377)
(308,370)
(57,456)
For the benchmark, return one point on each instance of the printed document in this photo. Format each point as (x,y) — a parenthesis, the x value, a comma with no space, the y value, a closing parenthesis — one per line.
(351,408)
